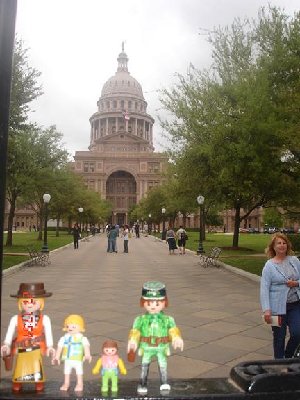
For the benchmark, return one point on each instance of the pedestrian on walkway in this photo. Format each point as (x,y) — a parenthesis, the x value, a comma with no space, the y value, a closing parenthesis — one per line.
(280,294)
(170,239)
(181,237)
(76,235)
(137,230)
(125,235)
(112,240)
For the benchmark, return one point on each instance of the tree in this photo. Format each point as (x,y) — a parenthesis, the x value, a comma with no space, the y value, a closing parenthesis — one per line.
(23,91)
(231,123)
(24,88)
(48,156)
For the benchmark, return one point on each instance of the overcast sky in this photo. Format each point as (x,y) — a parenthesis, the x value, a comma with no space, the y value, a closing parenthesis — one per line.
(75,45)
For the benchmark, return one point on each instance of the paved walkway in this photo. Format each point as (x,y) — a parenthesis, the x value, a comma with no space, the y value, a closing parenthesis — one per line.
(217,310)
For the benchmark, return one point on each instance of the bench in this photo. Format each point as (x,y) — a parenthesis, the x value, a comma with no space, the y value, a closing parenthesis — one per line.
(38,257)
(210,259)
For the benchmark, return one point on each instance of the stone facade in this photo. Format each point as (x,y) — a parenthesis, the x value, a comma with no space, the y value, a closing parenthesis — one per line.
(121,164)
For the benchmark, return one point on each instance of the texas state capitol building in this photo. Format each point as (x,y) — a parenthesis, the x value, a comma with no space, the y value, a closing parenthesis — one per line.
(121,164)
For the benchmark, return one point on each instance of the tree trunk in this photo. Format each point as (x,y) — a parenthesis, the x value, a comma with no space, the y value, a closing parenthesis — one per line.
(69,224)
(40,236)
(237,221)
(57,225)
(203,216)
(9,240)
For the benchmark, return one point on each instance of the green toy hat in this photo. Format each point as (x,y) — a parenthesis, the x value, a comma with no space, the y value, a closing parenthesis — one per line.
(154,291)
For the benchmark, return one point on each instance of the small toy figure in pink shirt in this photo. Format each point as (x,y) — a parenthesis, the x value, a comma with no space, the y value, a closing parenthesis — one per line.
(111,364)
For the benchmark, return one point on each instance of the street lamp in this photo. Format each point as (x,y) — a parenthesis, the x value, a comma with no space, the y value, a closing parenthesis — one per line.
(200,201)
(163,235)
(80,210)
(46,198)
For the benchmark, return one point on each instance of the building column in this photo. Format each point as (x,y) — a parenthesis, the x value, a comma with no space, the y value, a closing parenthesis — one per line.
(136,126)
(106,129)
(144,130)
(117,124)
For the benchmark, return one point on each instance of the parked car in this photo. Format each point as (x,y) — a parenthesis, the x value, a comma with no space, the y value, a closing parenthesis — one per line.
(243,230)
(288,230)
(253,230)
(271,229)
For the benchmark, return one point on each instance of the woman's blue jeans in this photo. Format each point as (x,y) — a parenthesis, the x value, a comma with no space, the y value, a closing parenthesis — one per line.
(291,320)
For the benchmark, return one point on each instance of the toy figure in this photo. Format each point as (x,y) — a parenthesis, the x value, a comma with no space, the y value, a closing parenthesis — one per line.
(73,348)
(33,337)
(151,334)
(110,363)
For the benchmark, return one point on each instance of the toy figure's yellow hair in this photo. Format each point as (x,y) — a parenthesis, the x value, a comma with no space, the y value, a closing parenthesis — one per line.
(74,319)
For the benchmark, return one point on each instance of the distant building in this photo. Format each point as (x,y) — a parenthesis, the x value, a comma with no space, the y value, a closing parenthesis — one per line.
(121,164)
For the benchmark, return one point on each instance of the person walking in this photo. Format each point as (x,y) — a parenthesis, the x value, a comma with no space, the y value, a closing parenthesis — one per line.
(170,239)
(112,240)
(125,235)
(137,230)
(76,235)
(181,237)
(280,295)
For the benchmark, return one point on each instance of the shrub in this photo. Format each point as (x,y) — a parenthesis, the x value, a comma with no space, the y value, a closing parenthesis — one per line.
(295,240)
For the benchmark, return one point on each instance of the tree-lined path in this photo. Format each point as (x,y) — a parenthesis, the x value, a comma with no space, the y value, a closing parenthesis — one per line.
(217,311)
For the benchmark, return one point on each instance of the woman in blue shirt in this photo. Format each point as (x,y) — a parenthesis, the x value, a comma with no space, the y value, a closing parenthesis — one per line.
(280,294)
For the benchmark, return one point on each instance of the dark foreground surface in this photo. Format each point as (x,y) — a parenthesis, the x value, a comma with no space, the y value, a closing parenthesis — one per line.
(213,388)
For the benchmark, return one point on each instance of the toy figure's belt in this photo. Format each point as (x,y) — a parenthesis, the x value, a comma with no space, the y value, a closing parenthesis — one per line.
(155,341)
(30,342)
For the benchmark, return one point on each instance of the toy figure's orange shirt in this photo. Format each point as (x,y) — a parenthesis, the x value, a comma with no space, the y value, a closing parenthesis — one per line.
(36,334)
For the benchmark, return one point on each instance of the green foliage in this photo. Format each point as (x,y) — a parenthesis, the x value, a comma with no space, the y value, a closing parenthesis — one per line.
(273,217)
(237,128)
(24,88)
(295,240)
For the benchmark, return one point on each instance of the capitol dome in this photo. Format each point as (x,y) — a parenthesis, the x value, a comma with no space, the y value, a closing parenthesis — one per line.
(122,83)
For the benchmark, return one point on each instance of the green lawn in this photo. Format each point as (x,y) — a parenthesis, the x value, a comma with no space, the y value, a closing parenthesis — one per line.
(249,257)
(29,239)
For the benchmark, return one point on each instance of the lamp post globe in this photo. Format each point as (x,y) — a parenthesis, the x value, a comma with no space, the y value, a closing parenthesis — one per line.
(200,201)
(163,235)
(46,199)
(80,210)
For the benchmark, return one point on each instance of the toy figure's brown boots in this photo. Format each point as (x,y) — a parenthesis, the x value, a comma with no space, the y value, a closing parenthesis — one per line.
(16,387)
(39,386)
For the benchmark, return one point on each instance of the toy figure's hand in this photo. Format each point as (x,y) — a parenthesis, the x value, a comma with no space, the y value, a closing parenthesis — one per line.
(177,343)
(132,345)
(5,350)
(88,357)
(95,371)
(50,352)
(55,360)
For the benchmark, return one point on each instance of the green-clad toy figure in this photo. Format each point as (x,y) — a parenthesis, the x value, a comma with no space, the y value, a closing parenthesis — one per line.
(151,334)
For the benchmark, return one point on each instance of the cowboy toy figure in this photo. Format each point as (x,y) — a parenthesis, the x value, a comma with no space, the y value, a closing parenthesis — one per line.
(151,334)
(33,336)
